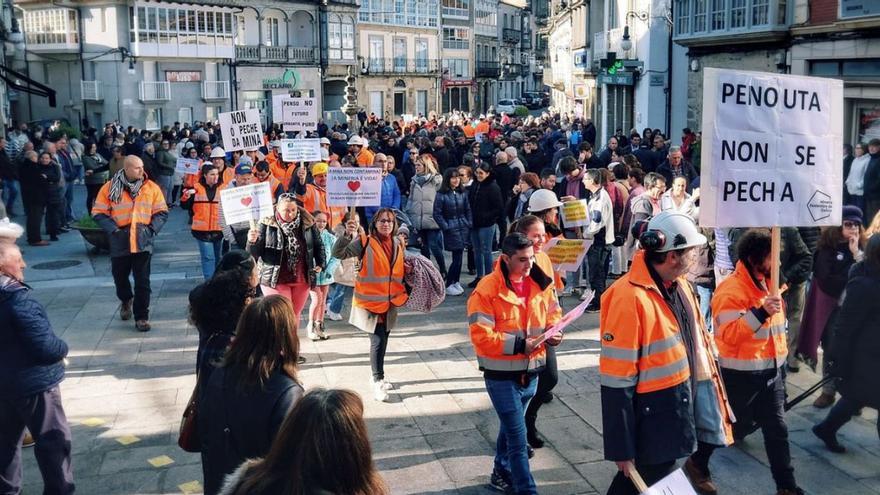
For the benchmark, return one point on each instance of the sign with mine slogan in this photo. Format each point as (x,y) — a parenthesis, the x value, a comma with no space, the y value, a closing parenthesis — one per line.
(241,129)
(770,153)
(348,186)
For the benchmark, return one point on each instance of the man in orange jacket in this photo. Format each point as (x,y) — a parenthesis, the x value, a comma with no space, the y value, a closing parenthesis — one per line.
(752,349)
(131,210)
(662,396)
(508,312)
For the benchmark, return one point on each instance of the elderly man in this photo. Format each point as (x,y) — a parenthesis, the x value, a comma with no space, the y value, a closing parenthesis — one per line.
(32,364)
(132,210)
(236,234)
(676,166)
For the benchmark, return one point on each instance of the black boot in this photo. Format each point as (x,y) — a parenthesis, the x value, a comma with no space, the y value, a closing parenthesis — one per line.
(532,434)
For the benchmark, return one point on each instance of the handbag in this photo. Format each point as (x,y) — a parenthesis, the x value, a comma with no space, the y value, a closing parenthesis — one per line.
(188,437)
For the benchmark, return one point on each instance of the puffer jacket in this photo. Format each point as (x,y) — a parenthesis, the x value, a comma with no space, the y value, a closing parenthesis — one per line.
(452,211)
(420,206)
(347,269)
(270,248)
(30,353)
(487,205)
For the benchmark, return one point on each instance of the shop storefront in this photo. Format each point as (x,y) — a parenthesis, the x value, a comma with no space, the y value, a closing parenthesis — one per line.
(257,85)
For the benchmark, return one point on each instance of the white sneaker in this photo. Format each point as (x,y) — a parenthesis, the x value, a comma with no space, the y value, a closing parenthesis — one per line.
(334,316)
(452,291)
(459,287)
(311,332)
(383,384)
(378,393)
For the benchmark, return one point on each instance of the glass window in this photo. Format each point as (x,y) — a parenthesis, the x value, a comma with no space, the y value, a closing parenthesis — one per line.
(760,12)
(683,13)
(700,16)
(348,35)
(719,15)
(866,67)
(738,13)
(824,68)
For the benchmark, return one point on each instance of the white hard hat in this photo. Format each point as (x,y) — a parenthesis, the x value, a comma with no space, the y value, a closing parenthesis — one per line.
(355,141)
(543,199)
(671,231)
(325,140)
(218,152)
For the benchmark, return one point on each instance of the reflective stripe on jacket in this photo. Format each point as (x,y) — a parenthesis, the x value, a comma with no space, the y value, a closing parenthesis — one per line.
(206,212)
(746,339)
(139,219)
(315,199)
(498,320)
(379,283)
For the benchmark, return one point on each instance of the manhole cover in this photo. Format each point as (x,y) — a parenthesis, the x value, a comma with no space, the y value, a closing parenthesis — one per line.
(56,265)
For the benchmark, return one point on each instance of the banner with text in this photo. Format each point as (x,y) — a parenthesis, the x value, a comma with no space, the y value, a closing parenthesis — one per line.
(301,150)
(567,254)
(245,203)
(770,153)
(575,214)
(299,114)
(349,186)
(241,129)
(188,166)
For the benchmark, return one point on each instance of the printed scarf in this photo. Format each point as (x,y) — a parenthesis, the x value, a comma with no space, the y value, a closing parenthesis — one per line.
(120,182)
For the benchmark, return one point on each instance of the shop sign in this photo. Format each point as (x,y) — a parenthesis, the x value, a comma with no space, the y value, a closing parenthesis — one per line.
(183,76)
(288,80)
(619,79)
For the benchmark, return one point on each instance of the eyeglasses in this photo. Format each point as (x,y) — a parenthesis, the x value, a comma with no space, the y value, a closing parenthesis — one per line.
(385,220)
(851,225)
(287,196)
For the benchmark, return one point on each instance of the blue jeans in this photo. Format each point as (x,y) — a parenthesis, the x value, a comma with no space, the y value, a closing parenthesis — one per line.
(433,240)
(481,239)
(10,194)
(337,296)
(705,294)
(209,252)
(510,400)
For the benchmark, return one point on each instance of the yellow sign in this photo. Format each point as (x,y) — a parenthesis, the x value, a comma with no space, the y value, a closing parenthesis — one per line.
(575,214)
(567,254)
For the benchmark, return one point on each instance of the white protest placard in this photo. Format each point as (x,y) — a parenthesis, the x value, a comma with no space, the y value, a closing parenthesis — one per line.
(575,213)
(299,114)
(245,203)
(567,254)
(354,186)
(301,150)
(241,129)
(188,166)
(673,484)
(770,150)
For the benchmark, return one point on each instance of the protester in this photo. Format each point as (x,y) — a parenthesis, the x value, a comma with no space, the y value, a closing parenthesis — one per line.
(97,173)
(675,166)
(452,212)
(321,421)
(289,252)
(203,199)
(871,179)
(313,197)
(855,348)
(752,349)
(131,210)
(518,205)
(487,206)
(31,362)
(379,289)
(678,199)
(855,180)
(38,183)
(510,350)
(647,204)
(601,231)
(390,194)
(245,401)
(344,276)
(657,354)
(236,233)
(420,209)
(262,173)
(318,293)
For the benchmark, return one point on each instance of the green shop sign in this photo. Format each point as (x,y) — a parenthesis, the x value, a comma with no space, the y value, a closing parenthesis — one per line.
(288,80)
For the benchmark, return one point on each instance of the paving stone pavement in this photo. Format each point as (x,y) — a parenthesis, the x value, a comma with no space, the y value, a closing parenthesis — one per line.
(125,391)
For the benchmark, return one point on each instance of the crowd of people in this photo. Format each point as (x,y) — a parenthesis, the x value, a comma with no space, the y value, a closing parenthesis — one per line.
(695,344)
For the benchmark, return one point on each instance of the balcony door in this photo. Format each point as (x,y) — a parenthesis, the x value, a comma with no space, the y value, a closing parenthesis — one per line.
(376,98)
(399,48)
(399,103)
(422,102)
(377,53)
(421,55)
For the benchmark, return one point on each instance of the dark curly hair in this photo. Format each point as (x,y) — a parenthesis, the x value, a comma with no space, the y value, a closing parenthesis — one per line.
(753,247)
(215,306)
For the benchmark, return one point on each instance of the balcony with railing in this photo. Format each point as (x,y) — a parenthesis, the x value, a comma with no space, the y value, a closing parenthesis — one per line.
(488,69)
(455,13)
(91,90)
(383,66)
(154,91)
(723,22)
(303,55)
(509,35)
(456,44)
(511,71)
(215,90)
(51,30)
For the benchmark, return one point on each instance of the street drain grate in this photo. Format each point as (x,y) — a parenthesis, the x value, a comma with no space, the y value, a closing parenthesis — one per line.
(56,265)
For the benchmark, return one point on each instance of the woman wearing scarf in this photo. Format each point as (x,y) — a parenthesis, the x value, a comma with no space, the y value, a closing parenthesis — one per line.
(203,199)
(289,252)
(420,208)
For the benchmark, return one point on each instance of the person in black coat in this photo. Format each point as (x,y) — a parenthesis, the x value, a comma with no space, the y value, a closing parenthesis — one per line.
(487,207)
(441,154)
(242,405)
(452,212)
(675,165)
(37,182)
(855,349)
(536,159)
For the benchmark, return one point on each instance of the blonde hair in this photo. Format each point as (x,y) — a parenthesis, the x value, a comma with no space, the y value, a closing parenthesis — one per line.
(874,227)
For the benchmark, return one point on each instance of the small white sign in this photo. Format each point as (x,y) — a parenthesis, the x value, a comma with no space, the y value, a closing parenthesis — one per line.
(301,150)
(245,203)
(188,166)
(770,150)
(350,186)
(241,129)
(299,114)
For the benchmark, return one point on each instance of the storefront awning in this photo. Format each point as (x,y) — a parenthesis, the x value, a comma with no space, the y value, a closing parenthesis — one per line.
(21,82)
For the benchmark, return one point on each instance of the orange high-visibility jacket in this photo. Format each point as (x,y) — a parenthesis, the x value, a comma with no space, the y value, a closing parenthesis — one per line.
(747,340)
(131,214)
(498,321)
(206,213)
(379,283)
(315,199)
(365,158)
(276,167)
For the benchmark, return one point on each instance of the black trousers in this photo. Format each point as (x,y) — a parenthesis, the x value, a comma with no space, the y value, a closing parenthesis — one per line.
(34,212)
(378,346)
(547,379)
(597,260)
(651,473)
(43,415)
(54,218)
(137,264)
(92,191)
(759,398)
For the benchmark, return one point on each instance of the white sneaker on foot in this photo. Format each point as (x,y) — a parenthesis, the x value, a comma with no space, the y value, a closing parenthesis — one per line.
(459,287)
(378,393)
(334,316)
(313,336)
(452,291)
(383,384)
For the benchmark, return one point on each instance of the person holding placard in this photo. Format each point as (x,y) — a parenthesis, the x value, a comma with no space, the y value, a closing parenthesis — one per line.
(314,196)
(289,252)
(601,230)
(203,199)
(511,351)
(236,234)
(752,351)
(263,173)
(662,397)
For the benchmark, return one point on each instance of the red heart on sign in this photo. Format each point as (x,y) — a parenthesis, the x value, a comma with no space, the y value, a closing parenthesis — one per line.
(247,201)
(354,185)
